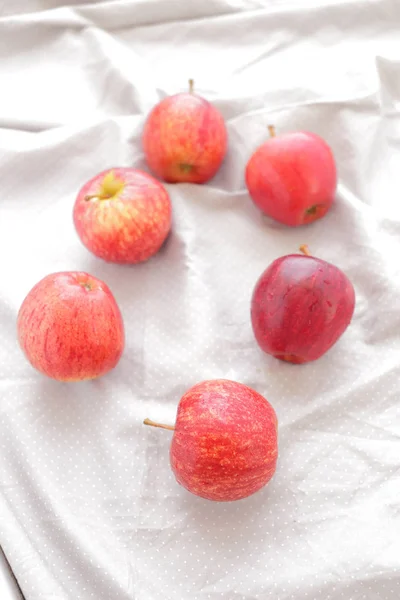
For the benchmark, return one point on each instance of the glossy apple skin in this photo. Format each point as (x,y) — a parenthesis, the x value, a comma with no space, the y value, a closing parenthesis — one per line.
(184,139)
(131,225)
(224,446)
(70,327)
(293,178)
(300,307)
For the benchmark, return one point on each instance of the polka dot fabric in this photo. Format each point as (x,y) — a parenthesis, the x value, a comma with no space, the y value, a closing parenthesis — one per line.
(89,508)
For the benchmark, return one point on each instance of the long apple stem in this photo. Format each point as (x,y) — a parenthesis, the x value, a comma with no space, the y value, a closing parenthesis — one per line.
(161,425)
(272,131)
(191,86)
(305,250)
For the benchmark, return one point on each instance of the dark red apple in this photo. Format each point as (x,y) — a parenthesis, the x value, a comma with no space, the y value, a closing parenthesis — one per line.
(123,215)
(70,327)
(300,307)
(292,177)
(184,138)
(225,444)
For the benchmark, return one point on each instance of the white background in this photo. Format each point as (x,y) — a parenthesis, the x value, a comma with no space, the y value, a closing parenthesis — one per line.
(89,508)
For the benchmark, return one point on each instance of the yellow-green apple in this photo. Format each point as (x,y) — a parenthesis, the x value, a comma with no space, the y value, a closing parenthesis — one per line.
(292,177)
(225,441)
(123,215)
(70,327)
(300,307)
(184,138)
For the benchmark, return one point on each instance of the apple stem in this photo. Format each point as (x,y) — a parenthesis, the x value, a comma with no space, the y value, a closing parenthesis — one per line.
(99,196)
(161,425)
(305,250)
(191,86)
(272,131)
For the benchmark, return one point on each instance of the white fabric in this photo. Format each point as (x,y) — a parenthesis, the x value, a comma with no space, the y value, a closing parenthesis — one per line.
(8,585)
(89,508)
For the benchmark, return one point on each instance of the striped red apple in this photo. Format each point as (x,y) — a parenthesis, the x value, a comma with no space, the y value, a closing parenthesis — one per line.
(123,215)
(292,177)
(184,138)
(225,441)
(70,327)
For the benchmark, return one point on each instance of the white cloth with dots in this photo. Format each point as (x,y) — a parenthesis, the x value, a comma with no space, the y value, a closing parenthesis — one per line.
(89,508)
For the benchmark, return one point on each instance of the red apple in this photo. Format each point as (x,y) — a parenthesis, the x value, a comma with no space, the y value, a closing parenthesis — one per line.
(292,177)
(224,445)
(300,307)
(123,215)
(70,327)
(185,139)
